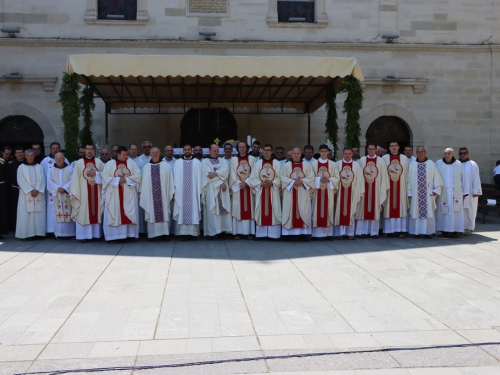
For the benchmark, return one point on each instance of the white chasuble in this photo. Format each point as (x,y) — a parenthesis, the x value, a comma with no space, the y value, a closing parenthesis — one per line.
(157,192)
(423,181)
(376,183)
(267,199)
(396,205)
(121,206)
(351,188)
(449,212)
(296,213)
(86,192)
(323,212)
(60,178)
(31,211)
(216,203)
(242,199)
(187,183)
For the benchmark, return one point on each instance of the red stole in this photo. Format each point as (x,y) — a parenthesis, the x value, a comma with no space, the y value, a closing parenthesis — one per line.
(395,170)
(322,200)
(346,180)
(370,172)
(266,205)
(92,191)
(243,172)
(124,218)
(297,222)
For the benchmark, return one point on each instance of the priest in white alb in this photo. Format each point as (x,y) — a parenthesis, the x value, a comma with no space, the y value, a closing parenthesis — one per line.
(472,180)
(215,195)
(396,205)
(376,184)
(47,163)
(449,212)
(58,184)
(120,183)
(188,193)
(297,184)
(86,199)
(31,210)
(243,198)
(326,185)
(424,185)
(351,189)
(157,192)
(266,183)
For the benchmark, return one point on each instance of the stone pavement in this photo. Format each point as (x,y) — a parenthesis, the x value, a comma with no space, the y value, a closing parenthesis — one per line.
(67,305)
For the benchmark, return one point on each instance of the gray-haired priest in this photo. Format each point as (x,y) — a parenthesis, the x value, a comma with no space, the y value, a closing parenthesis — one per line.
(121,178)
(450,213)
(216,201)
(31,212)
(58,183)
(157,191)
(424,184)
(266,182)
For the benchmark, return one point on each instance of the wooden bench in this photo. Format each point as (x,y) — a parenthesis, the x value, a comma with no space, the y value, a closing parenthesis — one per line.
(489,192)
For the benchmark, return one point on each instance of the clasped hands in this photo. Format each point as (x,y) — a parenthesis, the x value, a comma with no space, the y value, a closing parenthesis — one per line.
(34,193)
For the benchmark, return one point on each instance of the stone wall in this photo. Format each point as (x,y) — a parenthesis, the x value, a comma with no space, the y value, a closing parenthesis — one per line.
(447,56)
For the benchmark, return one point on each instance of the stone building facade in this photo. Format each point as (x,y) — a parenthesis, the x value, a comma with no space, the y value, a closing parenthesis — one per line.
(445,63)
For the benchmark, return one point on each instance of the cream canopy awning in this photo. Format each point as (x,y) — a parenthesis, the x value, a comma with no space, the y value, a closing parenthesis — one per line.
(163,82)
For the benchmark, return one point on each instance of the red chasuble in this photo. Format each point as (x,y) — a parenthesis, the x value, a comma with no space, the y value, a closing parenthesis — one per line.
(89,173)
(122,169)
(395,170)
(370,173)
(267,173)
(346,179)
(297,171)
(322,201)
(243,172)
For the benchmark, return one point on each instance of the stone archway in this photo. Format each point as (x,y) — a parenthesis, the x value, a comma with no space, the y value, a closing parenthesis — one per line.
(386,129)
(20,131)
(22,109)
(389,109)
(200,127)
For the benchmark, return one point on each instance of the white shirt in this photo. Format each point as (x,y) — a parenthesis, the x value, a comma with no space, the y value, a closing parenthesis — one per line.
(309,161)
(496,170)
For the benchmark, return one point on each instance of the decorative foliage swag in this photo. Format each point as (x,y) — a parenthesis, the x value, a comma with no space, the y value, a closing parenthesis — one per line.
(74,105)
(352,106)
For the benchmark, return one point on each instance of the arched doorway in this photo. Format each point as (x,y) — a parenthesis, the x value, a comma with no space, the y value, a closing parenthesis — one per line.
(386,129)
(201,126)
(20,131)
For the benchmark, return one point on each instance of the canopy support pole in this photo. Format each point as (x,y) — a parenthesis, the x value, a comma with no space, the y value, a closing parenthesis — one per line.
(308,125)
(107,109)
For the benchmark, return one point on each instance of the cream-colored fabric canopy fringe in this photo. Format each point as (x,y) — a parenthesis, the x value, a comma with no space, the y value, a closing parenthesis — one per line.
(159,81)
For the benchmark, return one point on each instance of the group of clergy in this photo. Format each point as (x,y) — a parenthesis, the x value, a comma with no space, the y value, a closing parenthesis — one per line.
(245,195)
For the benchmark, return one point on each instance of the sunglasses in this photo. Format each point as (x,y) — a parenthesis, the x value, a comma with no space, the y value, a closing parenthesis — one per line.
(147,146)
(463,153)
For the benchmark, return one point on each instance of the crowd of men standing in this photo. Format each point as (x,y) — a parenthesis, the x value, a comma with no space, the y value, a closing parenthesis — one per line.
(258,193)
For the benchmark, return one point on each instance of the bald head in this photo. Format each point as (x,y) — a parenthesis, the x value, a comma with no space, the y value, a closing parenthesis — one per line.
(296,155)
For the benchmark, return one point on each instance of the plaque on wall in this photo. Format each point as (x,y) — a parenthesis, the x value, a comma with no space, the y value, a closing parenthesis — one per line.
(207,6)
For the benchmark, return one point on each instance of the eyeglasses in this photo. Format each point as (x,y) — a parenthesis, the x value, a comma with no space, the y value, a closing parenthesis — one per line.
(267,150)
(147,146)
(463,153)
(104,153)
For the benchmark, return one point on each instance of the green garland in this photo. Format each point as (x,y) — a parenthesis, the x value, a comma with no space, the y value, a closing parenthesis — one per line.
(352,106)
(331,125)
(87,106)
(68,97)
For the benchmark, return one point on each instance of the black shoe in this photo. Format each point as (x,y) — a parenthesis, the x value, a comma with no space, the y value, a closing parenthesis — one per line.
(210,238)
(152,239)
(415,236)
(454,235)
(445,234)
(84,241)
(375,237)
(428,236)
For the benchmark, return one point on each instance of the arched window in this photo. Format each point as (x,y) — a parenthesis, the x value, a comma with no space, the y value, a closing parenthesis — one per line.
(202,126)
(19,131)
(386,129)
